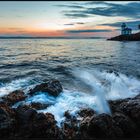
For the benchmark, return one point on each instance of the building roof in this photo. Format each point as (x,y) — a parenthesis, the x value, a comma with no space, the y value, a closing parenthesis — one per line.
(127,29)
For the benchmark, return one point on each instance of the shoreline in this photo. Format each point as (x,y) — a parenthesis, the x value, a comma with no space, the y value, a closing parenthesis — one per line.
(132,37)
(24,121)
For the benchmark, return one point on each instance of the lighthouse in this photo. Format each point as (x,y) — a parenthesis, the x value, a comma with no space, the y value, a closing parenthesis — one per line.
(125,30)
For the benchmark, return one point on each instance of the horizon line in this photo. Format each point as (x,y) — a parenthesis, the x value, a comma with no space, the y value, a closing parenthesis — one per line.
(48,37)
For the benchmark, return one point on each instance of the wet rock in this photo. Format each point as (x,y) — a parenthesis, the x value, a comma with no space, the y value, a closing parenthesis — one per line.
(67,115)
(125,123)
(14,97)
(24,114)
(38,106)
(113,71)
(131,108)
(44,125)
(70,127)
(53,87)
(7,120)
(86,112)
(101,126)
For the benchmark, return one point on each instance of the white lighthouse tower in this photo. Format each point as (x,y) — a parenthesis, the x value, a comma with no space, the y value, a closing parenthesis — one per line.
(123,26)
(125,30)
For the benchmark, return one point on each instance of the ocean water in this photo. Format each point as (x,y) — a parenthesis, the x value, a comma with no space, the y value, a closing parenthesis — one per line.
(91,71)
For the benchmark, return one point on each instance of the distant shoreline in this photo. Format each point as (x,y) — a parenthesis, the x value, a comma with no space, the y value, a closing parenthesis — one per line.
(52,37)
(131,37)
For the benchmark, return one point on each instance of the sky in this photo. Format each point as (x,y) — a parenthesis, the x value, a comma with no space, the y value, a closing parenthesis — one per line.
(67,18)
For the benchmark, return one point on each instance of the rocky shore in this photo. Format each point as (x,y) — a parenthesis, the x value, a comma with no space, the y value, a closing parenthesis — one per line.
(24,121)
(132,37)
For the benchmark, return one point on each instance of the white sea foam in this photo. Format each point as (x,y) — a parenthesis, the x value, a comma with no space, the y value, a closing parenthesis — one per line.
(23,84)
(104,86)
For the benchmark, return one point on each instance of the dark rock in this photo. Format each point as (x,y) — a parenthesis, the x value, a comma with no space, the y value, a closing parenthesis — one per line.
(38,106)
(67,115)
(44,125)
(86,112)
(7,120)
(53,87)
(25,114)
(131,108)
(70,126)
(113,71)
(131,37)
(101,126)
(14,97)
(125,123)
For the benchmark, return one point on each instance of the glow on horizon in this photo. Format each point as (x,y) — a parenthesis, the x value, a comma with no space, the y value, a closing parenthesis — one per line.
(47,19)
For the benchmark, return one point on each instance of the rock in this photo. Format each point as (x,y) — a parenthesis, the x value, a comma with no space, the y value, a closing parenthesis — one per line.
(24,114)
(38,106)
(113,71)
(125,123)
(101,126)
(70,127)
(131,108)
(44,126)
(7,120)
(67,115)
(53,87)
(86,112)
(14,97)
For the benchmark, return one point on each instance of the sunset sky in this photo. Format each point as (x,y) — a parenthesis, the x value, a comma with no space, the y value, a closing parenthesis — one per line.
(71,18)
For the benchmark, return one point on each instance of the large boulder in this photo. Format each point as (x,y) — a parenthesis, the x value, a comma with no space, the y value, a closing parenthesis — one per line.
(38,106)
(44,126)
(14,97)
(131,108)
(31,124)
(125,123)
(86,112)
(52,87)
(24,115)
(7,120)
(102,126)
(70,127)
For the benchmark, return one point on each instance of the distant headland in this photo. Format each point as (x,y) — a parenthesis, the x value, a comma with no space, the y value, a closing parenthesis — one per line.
(126,34)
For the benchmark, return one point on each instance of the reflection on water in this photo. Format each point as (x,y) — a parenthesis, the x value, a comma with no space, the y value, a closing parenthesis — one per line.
(53,58)
(84,67)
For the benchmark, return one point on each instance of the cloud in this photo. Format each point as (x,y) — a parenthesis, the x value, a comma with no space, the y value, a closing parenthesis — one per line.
(87,31)
(69,24)
(132,24)
(76,15)
(80,23)
(110,9)
(15,28)
(70,6)
(74,23)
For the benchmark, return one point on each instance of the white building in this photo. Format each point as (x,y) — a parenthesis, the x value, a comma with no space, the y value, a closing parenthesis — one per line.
(125,30)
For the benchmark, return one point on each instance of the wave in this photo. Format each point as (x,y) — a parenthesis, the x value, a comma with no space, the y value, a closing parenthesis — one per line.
(102,85)
(23,84)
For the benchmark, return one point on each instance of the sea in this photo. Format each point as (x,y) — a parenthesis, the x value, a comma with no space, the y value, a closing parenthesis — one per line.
(91,71)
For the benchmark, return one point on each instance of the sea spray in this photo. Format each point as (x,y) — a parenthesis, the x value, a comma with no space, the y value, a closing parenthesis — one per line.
(17,84)
(97,89)
(103,86)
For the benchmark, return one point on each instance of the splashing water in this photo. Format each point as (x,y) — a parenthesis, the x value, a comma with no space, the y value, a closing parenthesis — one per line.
(23,84)
(104,86)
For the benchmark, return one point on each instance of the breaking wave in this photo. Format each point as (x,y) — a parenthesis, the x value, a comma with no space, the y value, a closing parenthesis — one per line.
(103,86)
(24,84)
